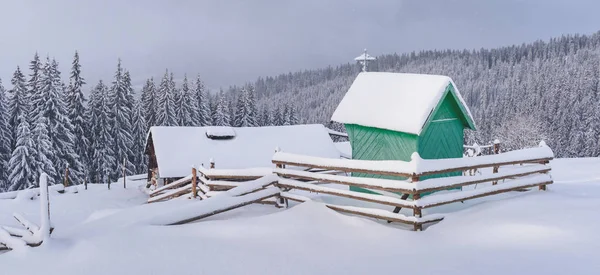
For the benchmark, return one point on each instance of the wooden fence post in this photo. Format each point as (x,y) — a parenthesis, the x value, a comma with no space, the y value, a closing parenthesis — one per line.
(107,179)
(194,183)
(543,144)
(496,151)
(124,174)
(417,211)
(85,183)
(66,179)
(281,202)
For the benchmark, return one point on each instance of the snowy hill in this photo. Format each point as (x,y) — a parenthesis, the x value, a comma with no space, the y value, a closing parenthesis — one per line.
(100,231)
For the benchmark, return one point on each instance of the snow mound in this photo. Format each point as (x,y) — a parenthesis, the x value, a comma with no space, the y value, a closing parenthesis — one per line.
(26,195)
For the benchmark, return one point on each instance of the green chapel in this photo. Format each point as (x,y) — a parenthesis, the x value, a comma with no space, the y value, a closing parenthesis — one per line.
(389,116)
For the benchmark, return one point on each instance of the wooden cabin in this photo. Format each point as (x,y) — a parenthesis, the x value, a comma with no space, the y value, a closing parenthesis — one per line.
(389,116)
(172,151)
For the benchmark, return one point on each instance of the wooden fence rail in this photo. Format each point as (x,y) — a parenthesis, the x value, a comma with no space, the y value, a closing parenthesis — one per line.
(513,171)
(524,169)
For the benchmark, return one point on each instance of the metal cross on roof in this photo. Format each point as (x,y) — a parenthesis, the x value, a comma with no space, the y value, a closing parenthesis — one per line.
(363,59)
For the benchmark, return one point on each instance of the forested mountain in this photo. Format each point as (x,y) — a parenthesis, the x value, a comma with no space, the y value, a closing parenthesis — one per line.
(518,94)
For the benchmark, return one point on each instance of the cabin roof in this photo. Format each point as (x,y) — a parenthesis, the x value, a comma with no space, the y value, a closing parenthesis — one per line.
(396,101)
(177,149)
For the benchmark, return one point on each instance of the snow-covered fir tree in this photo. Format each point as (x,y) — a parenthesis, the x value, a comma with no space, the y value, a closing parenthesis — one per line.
(187,105)
(121,111)
(265,118)
(204,112)
(286,115)
(22,162)
(149,103)
(18,104)
(245,110)
(278,118)
(166,115)
(5,139)
(76,111)
(44,153)
(35,83)
(221,117)
(293,116)
(103,154)
(48,102)
(139,138)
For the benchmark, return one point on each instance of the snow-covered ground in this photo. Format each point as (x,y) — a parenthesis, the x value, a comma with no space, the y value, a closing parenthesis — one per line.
(102,231)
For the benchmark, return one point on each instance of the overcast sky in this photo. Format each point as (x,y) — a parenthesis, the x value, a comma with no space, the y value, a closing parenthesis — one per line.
(233,41)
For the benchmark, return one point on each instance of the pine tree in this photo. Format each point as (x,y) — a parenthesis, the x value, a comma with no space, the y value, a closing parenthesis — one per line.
(121,104)
(187,105)
(22,162)
(76,111)
(204,112)
(35,83)
(5,140)
(278,119)
(103,160)
(166,110)
(293,116)
(222,113)
(139,139)
(44,154)
(60,128)
(265,117)
(240,115)
(92,129)
(18,105)
(48,102)
(286,115)
(149,102)
(250,105)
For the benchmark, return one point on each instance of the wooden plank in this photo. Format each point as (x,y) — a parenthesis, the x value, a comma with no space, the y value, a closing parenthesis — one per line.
(30,226)
(232,177)
(382,215)
(470,180)
(341,168)
(287,183)
(173,194)
(487,165)
(176,184)
(492,192)
(294,197)
(254,199)
(385,184)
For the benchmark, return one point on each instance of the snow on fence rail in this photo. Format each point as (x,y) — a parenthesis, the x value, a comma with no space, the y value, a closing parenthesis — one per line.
(417,166)
(534,173)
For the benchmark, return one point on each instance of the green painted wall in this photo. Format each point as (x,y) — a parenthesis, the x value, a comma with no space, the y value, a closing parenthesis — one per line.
(442,137)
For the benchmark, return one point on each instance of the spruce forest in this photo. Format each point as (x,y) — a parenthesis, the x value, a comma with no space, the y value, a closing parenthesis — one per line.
(518,94)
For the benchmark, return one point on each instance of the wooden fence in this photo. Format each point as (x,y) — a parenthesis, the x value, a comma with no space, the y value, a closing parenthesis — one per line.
(531,170)
(415,188)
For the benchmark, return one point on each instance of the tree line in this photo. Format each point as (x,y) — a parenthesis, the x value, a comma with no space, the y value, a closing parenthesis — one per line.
(46,125)
(519,94)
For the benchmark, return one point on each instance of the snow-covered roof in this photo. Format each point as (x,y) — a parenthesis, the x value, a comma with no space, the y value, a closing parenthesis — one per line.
(395,101)
(177,149)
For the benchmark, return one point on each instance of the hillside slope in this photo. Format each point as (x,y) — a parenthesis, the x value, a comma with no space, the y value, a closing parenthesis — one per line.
(541,90)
